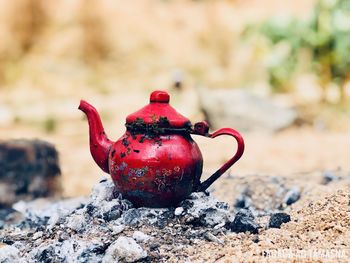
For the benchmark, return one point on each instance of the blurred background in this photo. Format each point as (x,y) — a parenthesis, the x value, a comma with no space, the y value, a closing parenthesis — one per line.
(277,71)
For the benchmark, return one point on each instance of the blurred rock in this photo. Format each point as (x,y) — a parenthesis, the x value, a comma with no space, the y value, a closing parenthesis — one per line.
(277,219)
(329,176)
(244,110)
(292,195)
(28,169)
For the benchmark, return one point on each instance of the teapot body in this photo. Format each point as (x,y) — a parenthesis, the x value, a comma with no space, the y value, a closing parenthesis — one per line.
(155,171)
(155,163)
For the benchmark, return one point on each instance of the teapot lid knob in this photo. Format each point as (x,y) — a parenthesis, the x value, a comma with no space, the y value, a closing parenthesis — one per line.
(159,96)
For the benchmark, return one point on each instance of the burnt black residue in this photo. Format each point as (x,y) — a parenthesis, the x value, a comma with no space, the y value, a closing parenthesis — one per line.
(113,153)
(125,142)
(136,151)
(152,131)
(122,154)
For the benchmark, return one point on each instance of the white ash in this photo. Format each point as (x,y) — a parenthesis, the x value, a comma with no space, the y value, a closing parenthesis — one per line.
(9,254)
(205,210)
(125,248)
(104,228)
(178,211)
(140,236)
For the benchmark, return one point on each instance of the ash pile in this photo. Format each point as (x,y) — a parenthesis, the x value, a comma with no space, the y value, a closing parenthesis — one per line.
(106,228)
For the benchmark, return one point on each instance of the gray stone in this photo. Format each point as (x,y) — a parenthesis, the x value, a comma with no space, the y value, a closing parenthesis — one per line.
(124,248)
(244,110)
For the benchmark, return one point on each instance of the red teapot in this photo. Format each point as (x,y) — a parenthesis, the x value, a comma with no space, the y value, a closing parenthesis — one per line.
(155,163)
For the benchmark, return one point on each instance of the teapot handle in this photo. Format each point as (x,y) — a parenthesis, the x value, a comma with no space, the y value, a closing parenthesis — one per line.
(202,128)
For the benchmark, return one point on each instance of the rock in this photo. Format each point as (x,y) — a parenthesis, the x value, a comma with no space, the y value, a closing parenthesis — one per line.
(29,169)
(244,110)
(277,219)
(9,254)
(244,222)
(140,236)
(126,249)
(178,211)
(292,195)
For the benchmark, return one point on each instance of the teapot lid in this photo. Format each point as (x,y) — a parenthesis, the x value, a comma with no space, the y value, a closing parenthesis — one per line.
(158,113)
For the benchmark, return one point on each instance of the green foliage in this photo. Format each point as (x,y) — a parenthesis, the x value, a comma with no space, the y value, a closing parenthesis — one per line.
(326,36)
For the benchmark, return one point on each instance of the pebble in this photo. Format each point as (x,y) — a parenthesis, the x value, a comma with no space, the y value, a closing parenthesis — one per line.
(277,219)
(124,249)
(244,222)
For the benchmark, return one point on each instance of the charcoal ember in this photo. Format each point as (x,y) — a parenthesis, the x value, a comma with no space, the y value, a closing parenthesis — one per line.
(158,217)
(72,249)
(46,255)
(244,221)
(242,201)
(132,217)
(28,169)
(292,195)
(92,253)
(277,219)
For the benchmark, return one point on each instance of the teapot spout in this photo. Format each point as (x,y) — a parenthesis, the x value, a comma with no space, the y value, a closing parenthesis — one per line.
(100,145)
